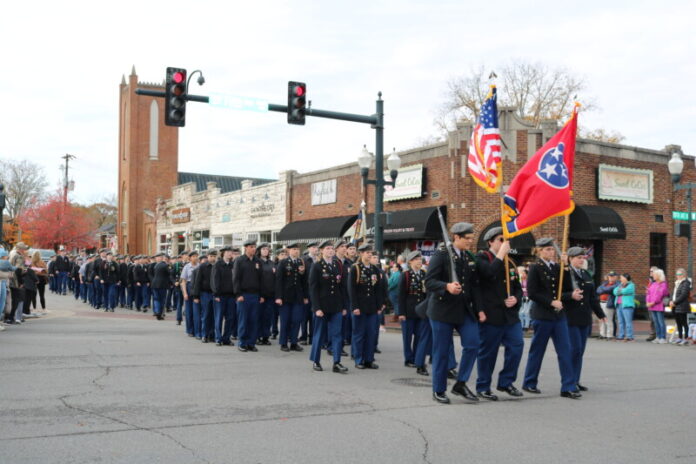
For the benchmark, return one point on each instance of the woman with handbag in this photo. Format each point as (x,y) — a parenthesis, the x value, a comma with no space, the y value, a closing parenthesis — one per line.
(655,301)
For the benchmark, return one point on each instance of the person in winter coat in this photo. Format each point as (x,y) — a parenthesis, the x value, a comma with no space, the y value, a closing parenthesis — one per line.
(625,294)
(654,300)
(680,305)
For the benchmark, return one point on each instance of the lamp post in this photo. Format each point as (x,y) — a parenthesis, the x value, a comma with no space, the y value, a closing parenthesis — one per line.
(676,167)
(393,163)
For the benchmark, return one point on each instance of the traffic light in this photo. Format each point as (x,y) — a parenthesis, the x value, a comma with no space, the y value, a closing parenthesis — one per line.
(175,97)
(297,102)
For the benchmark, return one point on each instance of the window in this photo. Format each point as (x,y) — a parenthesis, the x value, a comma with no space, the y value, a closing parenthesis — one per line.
(154,130)
(658,250)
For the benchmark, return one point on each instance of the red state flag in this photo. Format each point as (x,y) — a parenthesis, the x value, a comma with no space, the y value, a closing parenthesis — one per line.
(542,189)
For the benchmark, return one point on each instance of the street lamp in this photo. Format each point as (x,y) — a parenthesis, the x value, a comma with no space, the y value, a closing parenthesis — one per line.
(393,163)
(676,167)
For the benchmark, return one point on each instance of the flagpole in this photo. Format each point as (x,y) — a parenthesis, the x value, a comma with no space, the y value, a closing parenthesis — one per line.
(564,248)
(507,259)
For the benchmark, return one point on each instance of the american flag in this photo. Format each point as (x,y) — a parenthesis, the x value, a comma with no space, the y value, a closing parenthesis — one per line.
(484,148)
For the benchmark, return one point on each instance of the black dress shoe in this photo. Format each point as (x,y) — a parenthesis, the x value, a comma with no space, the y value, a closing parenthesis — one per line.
(296,347)
(178,322)
(343,353)
(441,398)
(317,367)
(359,366)
(274,336)
(510,390)
(303,342)
(234,338)
(252,348)
(218,343)
(339,368)
(378,351)
(488,395)
(284,348)
(204,340)
(409,364)
(452,374)
(242,348)
(571,395)
(422,371)
(461,389)
(330,353)
(534,390)
(371,365)
(582,388)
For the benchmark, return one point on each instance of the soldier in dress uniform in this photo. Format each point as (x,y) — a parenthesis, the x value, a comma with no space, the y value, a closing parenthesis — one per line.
(186,290)
(123,280)
(326,288)
(176,270)
(579,307)
(454,305)
(343,253)
(99,297)
(310,256)
(291,295)
(265,314)
(195,295)
(363,287)
(109,275)
(502,326)
(202,289)
(161,280)
(225,306)
(411,292)
(548,321)
(248,276)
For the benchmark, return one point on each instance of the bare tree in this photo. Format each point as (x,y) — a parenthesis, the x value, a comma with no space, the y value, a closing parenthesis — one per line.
(601,135)
(24,182)
(534,90)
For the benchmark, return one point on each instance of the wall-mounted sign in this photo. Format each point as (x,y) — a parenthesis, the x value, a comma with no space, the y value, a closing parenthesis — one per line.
(179,216)
(409,184)
(264,209)
(324,192)
(624,184)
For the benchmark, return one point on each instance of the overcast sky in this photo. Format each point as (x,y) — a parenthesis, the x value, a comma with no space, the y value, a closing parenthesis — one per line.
(62,63)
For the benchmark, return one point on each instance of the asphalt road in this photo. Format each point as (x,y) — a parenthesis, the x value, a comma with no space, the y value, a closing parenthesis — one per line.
(79,386)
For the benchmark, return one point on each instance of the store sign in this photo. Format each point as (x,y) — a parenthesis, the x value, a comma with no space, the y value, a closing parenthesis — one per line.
(683,216)
(409,184)
(262,210)
(179,216)
(324,192)
(625,184)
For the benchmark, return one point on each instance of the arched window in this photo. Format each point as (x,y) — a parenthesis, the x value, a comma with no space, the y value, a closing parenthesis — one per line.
(154,130)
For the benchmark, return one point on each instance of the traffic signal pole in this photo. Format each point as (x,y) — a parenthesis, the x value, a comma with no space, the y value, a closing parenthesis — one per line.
(376,122)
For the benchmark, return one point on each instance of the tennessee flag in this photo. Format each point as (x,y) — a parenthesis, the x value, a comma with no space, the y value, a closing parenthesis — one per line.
(542,189)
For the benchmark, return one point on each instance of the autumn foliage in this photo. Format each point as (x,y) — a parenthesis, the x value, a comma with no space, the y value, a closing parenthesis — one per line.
(52,223)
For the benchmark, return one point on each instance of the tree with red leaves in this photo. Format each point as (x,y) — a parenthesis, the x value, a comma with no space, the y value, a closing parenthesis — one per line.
(53,223)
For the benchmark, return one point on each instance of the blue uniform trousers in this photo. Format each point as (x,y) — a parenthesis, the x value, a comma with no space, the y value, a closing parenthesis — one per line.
(179,303)
(275,320)
(207,319)
(168,298)
(111,293)
(247,315)
(188,311)
(147,296)
(557,331)
(442,345)
(130,295)
(365,328)
(159,300)
(410,330)
(265,317)
(223,318)
(327,330)
(52,283)
(90,293)
(76,289)
(139,294)
(578,340)
(62,282)
(307,322)
(197,319)
(425,346)
(492,336)
(98,291)
(348,328)
(122,295)
(83,291)
(290,319)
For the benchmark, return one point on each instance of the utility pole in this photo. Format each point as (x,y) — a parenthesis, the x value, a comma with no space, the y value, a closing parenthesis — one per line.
(66,181)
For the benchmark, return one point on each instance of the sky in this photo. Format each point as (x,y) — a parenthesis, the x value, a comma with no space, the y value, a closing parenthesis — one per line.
(62,63)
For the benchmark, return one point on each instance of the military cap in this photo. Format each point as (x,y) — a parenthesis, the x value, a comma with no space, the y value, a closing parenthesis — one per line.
(249,242)
(351,245)
(326,243)
(235,250)
(264,245)
(339,243)
(365,247)
(575,251)
(109,253)
(193,253)
(312,244)
(493,233)
(544,242)
(413,255)
(292,245)
(212,252)
(462,228)
(224,249)
(103,250)
(158,254)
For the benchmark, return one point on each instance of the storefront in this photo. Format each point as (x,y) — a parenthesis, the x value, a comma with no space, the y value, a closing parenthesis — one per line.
(315,230)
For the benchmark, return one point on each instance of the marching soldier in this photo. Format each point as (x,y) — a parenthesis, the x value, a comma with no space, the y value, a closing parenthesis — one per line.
(364,288)
(203,291)
(248,276)
(306,328)
(223,292)
(291,296)
(502,325)
(579,306)
(109,275)
(192,328)
(326,295)
(345,263)
(454,306)
(141,280)
(159,285)
(411,292)
(548,321)
(265,315)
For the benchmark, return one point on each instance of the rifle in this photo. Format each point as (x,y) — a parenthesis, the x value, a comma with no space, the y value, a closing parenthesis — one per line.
(448,246)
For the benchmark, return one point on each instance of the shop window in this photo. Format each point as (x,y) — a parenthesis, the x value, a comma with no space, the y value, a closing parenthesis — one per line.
(659,218)
(658,250)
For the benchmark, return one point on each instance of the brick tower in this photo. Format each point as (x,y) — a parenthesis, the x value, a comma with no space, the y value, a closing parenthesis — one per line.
(148,153)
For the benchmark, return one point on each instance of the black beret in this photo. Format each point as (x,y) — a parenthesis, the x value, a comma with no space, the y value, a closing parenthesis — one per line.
(224,249)
(339,243)
(365,247)
(544,242)
(109,253)
(312,244)
(212,252)
(413,255)
(292,245)
(326,243)
(249,242)
(193,253)
(235,250)
(158,254)
(493,233)
(264,245)
(462,228)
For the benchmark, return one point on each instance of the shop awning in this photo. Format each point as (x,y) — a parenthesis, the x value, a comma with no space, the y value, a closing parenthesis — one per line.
(520,245)
(411,224)
(315,229)
(596,223)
